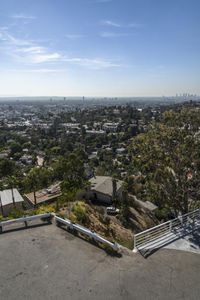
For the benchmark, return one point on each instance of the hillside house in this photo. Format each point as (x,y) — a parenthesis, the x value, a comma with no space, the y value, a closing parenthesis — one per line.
(101,189)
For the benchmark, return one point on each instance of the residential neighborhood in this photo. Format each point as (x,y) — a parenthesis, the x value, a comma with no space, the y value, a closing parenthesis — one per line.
(99,150)
(54,155)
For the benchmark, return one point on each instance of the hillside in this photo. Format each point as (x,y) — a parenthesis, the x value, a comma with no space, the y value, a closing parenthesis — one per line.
(111,227)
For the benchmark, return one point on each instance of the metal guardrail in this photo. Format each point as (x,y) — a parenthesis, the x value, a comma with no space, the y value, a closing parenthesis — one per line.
(85,231)
(160,233)
(24,220)
(48,216)
(187,222)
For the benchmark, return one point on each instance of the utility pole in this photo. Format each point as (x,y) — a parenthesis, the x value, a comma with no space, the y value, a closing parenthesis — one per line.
(13,197)
(114,194)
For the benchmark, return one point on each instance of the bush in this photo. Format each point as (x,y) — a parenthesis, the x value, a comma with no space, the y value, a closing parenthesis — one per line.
(16,213)
(162,214)
(80,212)
(45,209)
(67,197)
(61,214)
(73,217)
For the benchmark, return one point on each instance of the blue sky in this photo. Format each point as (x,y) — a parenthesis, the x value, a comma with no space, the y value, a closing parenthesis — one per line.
(99,47)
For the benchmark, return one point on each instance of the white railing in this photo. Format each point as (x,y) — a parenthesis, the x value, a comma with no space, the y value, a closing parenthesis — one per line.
(48,216)
(87,232)
(163,232)
(25,220)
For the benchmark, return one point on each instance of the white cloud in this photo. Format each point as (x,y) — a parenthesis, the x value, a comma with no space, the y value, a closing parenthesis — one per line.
(23,16)
(18,42)
(74,36)
(29,52)
(92,63)
(120,25)
(110,23)
(32,50)
(11,40)
(45,57)
(37,55)
(107,34)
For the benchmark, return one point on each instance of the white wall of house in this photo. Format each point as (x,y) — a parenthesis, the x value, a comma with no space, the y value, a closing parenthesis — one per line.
(9,207)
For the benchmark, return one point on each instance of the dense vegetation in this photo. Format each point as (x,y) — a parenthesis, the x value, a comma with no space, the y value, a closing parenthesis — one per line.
(166,162)
(160,161)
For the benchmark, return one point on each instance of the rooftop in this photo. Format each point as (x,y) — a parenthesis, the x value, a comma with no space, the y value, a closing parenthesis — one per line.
(103,184)
(7,198)
(45,195)
(146,204)
(53,264)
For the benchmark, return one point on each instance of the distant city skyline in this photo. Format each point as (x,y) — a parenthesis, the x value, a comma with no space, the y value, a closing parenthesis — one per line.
(113,48)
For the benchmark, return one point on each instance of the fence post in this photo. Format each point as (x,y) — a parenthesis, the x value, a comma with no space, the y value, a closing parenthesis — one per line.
(180,217)
(193,223)
(26,223)
(170,226)
(71,227)
(135,247)
(116,247)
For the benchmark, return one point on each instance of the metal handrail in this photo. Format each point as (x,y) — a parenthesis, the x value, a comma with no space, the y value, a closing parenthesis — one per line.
(25,220)
(167,222)
(83,230)
(157,232)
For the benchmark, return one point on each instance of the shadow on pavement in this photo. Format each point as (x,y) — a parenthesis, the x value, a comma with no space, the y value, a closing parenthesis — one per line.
(24,228)
(195,240)
(107,249)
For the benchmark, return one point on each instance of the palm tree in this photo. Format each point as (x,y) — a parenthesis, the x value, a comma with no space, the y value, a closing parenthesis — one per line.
(33,179)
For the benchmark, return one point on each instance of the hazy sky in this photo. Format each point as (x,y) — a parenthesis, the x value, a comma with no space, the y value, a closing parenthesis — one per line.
(99,47)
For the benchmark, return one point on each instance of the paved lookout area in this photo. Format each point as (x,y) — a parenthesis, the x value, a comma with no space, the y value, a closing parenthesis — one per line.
(189,242)
(49,263)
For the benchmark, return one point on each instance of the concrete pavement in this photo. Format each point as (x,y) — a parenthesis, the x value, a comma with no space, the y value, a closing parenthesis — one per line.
(49,263)
(189,243)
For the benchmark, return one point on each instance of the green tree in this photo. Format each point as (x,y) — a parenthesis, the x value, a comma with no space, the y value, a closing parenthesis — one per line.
(168,156)
(7,167)
(71,170)
(37,178)
(15,147)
